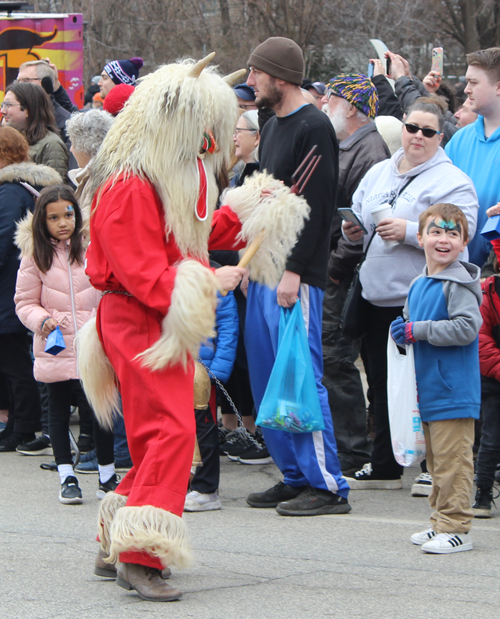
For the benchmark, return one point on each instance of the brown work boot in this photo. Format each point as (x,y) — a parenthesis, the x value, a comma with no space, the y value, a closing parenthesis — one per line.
(147,581)
(108,570)
(101,568)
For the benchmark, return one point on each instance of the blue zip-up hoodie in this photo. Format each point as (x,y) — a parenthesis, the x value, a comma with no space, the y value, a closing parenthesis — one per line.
(444,310)
(219,353)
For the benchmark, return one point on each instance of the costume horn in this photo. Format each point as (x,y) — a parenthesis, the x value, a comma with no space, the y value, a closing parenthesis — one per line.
(200,65)
(235,76)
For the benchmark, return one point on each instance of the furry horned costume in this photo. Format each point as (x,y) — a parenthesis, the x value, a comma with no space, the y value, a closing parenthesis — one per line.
(152,223)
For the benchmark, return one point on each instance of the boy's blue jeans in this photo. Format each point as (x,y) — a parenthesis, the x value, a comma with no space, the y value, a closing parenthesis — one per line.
(489,450)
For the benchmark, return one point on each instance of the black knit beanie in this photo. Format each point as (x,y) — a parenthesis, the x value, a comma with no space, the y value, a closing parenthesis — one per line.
(279,57)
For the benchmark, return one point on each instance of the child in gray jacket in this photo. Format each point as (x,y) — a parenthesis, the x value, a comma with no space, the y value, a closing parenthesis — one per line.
(443,324)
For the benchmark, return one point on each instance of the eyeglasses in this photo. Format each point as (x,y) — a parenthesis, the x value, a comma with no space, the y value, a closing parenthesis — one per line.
(7,105)
(427,133)
(240,129)
(247,106)
(25,80)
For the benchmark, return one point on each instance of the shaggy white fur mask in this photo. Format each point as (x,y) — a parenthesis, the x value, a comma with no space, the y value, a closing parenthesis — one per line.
(158,136)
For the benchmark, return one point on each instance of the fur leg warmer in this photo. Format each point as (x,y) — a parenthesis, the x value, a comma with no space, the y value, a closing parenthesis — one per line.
(152,530)
(97,374)
(281,216)
(190,319)
(110,504)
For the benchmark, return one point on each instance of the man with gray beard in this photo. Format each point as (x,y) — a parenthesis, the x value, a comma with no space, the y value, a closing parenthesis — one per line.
(351,103)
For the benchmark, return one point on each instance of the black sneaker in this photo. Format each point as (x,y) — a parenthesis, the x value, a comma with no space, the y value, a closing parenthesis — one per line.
(314,502)
(275,495)
(85,443)
(366,480)
(109,486)
(255,454)
(70,493)
(14,440)
(39,447)
(237,442)
(482,503)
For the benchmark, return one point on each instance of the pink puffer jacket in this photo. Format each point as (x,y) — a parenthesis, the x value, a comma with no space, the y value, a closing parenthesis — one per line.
(63,293)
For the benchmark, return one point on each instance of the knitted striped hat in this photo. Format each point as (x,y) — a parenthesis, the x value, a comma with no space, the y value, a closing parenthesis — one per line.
(358,90)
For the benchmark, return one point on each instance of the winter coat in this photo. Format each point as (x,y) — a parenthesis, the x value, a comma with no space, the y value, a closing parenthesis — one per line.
(219,353)
(63,293)
(15,202)
(489,340)
(51,151)
(444,311)
(81,178)
(357,154)
(387,272)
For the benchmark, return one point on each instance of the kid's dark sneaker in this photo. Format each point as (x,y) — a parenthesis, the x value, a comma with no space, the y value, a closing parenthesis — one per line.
(255,454)
(237,442)
(39,447)
(109,486)
(482,503)
(70,493)
(314,502)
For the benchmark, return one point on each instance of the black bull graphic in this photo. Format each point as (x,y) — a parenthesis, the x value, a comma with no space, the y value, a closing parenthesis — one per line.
(20,39)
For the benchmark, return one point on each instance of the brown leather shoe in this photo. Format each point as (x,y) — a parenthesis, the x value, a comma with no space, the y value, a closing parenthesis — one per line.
(147,581)
(108,570)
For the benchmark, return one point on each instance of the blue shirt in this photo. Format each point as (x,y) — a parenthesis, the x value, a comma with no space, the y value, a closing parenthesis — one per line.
(479,158)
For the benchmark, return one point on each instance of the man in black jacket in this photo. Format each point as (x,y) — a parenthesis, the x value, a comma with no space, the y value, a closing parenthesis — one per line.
(351,104)
(313,482)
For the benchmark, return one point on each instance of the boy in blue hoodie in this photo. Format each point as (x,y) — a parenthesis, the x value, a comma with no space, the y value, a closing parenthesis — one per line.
(443,316)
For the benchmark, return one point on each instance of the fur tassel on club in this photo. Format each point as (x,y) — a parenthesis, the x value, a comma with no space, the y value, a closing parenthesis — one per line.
(97,374)
(110,504)
(281,216)
(190,319)
(152,530)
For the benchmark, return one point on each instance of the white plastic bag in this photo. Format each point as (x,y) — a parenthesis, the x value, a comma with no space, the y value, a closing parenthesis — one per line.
(407,434)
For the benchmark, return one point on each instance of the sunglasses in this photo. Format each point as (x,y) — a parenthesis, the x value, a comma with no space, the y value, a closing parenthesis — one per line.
(427,133)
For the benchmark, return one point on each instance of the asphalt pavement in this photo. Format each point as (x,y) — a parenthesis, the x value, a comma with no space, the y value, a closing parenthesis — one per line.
(249,563)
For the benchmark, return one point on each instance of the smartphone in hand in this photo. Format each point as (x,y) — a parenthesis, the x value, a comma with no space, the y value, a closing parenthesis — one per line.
(437,60)
(348,214)
(371,69)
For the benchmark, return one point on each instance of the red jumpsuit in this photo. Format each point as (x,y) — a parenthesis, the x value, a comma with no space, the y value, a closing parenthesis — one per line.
(130,252)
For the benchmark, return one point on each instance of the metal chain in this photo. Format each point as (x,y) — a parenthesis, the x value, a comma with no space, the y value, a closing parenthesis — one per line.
(233,406)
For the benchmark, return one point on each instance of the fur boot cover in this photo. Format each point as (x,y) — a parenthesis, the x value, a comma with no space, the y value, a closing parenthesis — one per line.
(281,216)
(190,319)
(110,504)
(97,374)
(152,530)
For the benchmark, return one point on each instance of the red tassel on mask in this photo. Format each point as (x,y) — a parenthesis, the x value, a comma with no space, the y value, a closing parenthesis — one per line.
(201,208)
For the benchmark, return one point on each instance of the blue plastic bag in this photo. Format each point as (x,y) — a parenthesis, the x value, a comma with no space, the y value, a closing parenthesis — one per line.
(291,401)
(55,342)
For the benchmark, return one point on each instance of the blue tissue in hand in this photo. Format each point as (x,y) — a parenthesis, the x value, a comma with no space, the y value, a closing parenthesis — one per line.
(55,342)
(491,229)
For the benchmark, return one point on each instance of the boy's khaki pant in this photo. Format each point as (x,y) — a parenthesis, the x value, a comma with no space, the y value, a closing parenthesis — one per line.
(449,461)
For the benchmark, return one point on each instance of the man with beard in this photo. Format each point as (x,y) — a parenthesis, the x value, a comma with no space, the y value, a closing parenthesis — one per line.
(313,482)
(351,103)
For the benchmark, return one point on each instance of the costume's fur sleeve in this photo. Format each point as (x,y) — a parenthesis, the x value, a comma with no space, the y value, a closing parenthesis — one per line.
(190,319)
(281,215)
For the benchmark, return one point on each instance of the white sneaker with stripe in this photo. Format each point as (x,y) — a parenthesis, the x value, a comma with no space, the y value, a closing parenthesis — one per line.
(446,543)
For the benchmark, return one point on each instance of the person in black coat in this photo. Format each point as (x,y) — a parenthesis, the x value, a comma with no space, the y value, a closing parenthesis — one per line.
(16,201)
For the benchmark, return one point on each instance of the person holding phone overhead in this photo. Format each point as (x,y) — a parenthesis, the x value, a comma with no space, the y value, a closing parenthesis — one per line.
(405,185)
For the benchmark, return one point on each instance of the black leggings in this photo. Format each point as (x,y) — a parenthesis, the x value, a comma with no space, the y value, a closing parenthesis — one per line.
(61,396)
(384,464)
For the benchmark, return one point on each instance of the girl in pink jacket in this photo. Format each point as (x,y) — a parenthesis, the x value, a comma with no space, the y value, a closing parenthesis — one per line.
(52,291)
